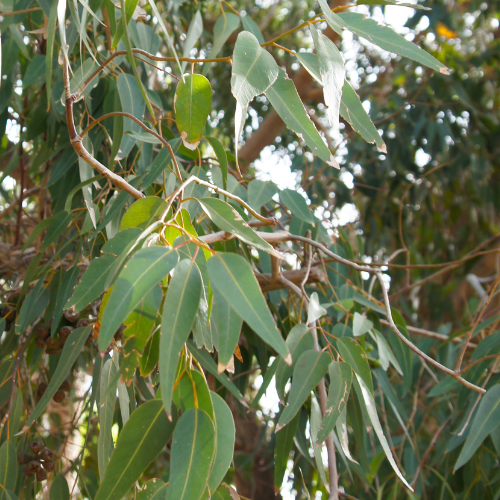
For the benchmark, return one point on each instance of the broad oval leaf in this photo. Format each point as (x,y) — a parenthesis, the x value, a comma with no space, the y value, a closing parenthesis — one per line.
(233,277)
(260,192)
(59,489)
(225,436)
(332,71)
(71,350)
(8,468)
(228,219)
(179,314)
(338,393)
(193,446)
(192,105)
(486,420)
(307,373)
(285,100)
(297,204)
(142,438)
(141,273)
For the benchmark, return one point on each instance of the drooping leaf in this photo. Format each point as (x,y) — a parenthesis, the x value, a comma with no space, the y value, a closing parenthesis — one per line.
(8,468)
(233,277)
(260,193)
(92,283)
(33,306)
(151,354)
(141,273)
(352,352)
(117,243)
(66,285)
(225,436)
(392,2)
(192,391)
(341,427)
(297,204)
(192,105)
(250,25)
(334,21)
(193,35)
(307,373)
(315,310)
(72,348)
(221,156)
(179,312)
(86,173)
(106,411)
(141,440)
(360,325)
(228,219)
(193,447)
(58,225)
(59,489)
(338,393)
(332,71)
(226,328)
(486,420)
(284,443)
(298,341)
(388,39)
(142,213)
(315,421)
(154,489)
(285,100)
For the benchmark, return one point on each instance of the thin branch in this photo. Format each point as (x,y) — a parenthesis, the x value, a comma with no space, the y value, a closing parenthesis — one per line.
(23,11)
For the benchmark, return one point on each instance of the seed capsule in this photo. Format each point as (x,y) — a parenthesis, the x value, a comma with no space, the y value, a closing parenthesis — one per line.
(48,466)
(71,315)
(24,458)
(40,343)
(83,322)
(36,447)
(65,386)
(35,466)
(5,310)
(64,333)
(40,391)
(47,455)
(59,396)
(41,475)
(28,472)
(42,332)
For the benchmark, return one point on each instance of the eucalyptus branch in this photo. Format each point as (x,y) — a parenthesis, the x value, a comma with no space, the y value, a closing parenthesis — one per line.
(76,142)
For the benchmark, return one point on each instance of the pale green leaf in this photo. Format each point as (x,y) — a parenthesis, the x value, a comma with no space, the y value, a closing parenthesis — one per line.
(250,25)
(8,468)
(142,213)
(260,193)
(352,353)
(154,489)
(221,156)
(334,21)
(297,204)
(315,310)
(193,35)
(317,448)
(107,389)
(59,489)
(360,325)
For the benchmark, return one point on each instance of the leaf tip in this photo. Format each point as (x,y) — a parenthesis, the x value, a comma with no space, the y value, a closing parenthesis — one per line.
(288,359)
(382,148)
(220,367)
(444,70)
(333,162)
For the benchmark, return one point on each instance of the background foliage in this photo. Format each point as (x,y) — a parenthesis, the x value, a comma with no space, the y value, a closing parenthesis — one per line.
(115,309)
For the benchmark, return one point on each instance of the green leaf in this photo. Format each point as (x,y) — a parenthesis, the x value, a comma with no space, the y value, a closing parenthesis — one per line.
(250,25)
(58,225)
(226,328)
(59,489)
(225,492)
(192,452)
(285,100)
(143,271)
(66,285)
(33,306)
(225,436)
(486,420)
(39,228)
(142,213)
(310,368)
(360,325)
(332,71)
(260,193)
(371,409)
(298,341)
(254,71)
(297,204)
(353,112)
(119,242)
(315,421)
(341,427)
(193,35)
(71,350)
(143,437)
(233,277)
(352,353)
(154,489)
(392,2)
(179,313)
(388,39)
(315,310)
(220,152)
(132,102)
(106,411)
(192,105)
(282,449)
(338,394)
(228,219)
(16,411)
(334,21)
(86,173)
(151,355)
(144,137)
(192,391)
(92,283)
(224,27)
(8,468)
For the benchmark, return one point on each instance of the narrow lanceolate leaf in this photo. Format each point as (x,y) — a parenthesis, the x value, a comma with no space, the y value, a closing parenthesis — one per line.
(192,104)
(285,100)
(254,71)
(307,373)
(226,327)
(106,411)
(179,313)
(392,2)
(353,112)
(233,277)
(341,427)
(66,285)
(297,204)
(154,489)
(144,270)
(142,438)
(224,27)
(371,409)
(338,393)
(86,173)
(334,21)
(8,468)
(193,447)
(315,423)
(260,193)
(58,225)
(284,443)
(59,490)
(388,39)
(221,156)
(228,219)
(486,420)
(225,435)
(92,283)
(71,350)
(193,35)
(298,341)
(332,71)
(352,352)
